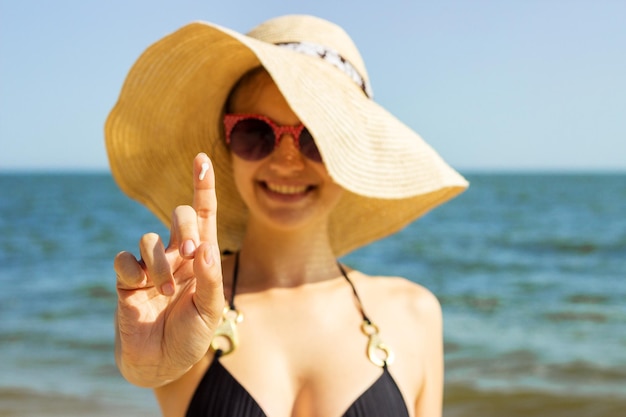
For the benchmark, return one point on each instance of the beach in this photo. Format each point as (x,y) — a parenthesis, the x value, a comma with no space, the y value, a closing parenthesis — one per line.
(459,402)
(24,403)
(463,401)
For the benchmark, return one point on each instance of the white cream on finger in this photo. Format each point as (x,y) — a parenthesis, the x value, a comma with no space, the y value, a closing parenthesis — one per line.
(205,168)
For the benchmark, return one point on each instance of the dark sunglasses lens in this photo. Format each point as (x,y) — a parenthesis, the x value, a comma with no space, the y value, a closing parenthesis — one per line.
(252,139)
(308,146)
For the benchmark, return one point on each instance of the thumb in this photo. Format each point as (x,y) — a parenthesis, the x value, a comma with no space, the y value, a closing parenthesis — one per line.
(209,295)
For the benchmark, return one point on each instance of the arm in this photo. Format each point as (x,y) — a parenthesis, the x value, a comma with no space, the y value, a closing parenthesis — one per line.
(170,301)
(429,400)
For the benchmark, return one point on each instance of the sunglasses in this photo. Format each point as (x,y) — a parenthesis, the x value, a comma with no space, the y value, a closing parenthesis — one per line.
(253,137)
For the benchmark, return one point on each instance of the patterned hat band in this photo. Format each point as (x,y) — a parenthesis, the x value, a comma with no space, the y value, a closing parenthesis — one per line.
(333,57)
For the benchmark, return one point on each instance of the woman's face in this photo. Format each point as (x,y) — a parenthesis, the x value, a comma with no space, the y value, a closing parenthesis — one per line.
(285,189)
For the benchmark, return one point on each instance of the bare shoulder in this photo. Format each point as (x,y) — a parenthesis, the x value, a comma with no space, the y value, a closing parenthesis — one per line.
(397,294)
(406,312)
(410,320)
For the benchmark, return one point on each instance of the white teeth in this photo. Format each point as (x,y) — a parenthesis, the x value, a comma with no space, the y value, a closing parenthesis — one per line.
(286,189)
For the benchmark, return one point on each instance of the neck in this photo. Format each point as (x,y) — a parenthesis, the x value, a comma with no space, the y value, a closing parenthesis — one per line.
(286,258)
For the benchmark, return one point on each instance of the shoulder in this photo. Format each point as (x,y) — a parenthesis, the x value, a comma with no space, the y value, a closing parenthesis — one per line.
(410,320)
(408,315)
(397,294)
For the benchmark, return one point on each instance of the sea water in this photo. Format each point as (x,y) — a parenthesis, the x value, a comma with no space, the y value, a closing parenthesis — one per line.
(530,270)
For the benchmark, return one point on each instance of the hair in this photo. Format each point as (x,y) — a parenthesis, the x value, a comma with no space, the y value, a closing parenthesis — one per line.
(248,78)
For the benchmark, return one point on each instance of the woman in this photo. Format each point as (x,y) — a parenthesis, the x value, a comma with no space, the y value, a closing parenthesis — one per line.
(246,311)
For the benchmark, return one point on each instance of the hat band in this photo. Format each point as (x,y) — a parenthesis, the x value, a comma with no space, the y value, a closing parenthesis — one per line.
(333,57)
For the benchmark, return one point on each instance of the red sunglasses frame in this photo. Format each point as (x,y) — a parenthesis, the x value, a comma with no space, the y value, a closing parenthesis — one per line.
(295,131)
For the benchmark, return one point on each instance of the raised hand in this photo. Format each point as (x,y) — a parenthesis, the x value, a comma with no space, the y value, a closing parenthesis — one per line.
(171,300)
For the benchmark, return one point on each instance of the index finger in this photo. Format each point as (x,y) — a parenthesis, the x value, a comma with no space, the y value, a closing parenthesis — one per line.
(204,198)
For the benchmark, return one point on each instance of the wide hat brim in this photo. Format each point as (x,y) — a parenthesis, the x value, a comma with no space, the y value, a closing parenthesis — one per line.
(170,109)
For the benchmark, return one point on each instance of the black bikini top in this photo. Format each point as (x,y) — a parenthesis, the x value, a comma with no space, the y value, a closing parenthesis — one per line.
(219,394)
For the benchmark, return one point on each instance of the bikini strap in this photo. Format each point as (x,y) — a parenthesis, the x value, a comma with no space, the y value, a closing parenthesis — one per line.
(233,288)
(378,352)
(356,294)
(226,332)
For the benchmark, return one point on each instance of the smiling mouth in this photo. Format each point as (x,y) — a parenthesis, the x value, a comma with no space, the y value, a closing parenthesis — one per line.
(287,189)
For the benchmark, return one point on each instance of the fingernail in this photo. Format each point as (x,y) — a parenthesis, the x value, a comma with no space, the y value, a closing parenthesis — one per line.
(189,248)
(167,289)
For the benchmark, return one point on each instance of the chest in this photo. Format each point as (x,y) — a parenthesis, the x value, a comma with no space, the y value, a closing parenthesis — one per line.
(304,358)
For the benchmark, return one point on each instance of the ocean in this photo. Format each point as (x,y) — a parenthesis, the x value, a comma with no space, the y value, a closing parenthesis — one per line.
(530,270)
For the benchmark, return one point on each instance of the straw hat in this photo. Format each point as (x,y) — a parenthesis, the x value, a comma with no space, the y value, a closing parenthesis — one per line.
(171,105)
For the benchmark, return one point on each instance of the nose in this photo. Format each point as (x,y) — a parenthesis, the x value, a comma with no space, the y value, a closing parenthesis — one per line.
(286,157)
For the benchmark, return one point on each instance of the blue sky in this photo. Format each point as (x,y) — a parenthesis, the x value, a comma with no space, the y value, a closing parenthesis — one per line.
(492,85)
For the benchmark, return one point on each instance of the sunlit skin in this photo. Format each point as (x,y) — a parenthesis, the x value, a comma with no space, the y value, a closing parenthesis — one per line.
(302,352)
(285,192)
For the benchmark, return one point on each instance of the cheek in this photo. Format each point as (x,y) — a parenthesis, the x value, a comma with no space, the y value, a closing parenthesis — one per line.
(332,190)
(335,192)
(242,175)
